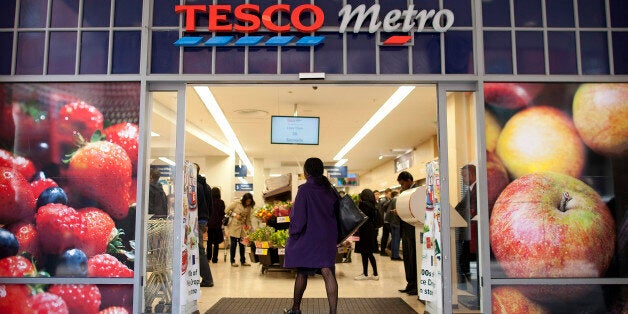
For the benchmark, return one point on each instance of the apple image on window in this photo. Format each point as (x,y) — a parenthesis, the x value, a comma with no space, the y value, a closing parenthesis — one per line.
(548,225)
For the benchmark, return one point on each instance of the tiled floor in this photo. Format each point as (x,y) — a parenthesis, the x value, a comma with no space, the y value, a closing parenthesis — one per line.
(251,283)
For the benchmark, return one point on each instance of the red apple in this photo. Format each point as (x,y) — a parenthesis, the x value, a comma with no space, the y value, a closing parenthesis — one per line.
(551,225)
(496,177)
(510,95)
(600,113)
(509,300)
(541,139)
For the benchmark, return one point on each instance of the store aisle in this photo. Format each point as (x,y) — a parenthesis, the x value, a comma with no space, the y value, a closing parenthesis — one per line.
(250,282)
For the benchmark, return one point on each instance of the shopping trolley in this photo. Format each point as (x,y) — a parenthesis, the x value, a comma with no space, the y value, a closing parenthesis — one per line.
(158,289)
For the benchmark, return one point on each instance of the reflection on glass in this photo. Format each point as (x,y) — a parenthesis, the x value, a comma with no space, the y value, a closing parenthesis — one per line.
(160,209)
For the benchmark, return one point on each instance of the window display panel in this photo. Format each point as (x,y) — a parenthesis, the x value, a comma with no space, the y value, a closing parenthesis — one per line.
(620,47)
(94,52)
(562,151)
(30,51)
(62,53)
(361,53)
(559,299)
(126,52)
(64,13)
(458,52)
(328,57)
(68,162)
(66,298)
(498,52)
(393,60)
(6,44)
(594,52)
(562,52)
(426,54)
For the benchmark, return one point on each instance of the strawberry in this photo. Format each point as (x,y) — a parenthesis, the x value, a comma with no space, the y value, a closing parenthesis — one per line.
(14,298)
(16,197)
(61,225)
(32,131)
(114,310)
(83,299)
(26,235)
(16,266)
(98,230)
(76,118)
(127,136)
(101,171)
(117,295)
(25,167)
(47,303)
(7,124)
(41,184)
(105,265)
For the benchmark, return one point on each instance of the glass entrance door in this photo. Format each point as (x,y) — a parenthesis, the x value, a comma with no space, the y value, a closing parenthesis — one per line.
(460,191)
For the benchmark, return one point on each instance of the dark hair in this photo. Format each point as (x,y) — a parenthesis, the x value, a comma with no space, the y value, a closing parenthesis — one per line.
(154,174)
(314,168)
(388,190)
(405,176)
(367,196)
(394,193)
(216,193)
(469,168)
(247,196)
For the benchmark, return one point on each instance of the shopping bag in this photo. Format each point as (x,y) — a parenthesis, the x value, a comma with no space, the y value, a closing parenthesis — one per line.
(349,218)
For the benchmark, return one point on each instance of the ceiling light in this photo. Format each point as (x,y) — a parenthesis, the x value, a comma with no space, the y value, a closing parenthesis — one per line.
(191,128)
(212,105)
(395,99)
(274,175)
(341,162)
(154,134)
(168,161)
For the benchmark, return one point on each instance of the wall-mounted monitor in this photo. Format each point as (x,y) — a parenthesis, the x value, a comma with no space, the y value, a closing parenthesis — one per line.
(350,180)
(294,130)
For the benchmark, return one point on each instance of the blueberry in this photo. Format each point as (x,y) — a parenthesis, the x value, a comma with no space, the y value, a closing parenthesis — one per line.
(72,263)
(8,244)
(50,195)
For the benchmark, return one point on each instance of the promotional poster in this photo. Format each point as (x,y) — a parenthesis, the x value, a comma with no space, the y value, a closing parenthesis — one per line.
(556,170)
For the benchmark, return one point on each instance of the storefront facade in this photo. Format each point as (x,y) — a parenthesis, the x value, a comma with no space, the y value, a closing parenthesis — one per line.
(534,65)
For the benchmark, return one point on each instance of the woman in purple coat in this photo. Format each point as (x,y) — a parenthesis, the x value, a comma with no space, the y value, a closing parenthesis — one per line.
(313,233)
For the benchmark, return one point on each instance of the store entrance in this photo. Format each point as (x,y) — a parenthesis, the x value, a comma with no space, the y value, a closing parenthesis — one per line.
(234,134)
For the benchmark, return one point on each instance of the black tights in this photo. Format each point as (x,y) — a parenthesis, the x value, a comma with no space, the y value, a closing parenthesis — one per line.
(365,264)
(331,286)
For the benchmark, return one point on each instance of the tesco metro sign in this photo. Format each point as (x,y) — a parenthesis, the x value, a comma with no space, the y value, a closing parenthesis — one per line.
(249,19)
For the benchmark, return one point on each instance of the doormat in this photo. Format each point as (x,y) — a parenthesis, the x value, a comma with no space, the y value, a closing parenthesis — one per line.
(311,305)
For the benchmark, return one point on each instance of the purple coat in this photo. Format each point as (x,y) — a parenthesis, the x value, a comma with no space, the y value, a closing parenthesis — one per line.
(313,230)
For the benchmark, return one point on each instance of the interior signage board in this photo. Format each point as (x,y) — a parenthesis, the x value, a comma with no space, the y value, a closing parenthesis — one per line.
(250,18)
(404,162)
(336,172)
(244,187)
(240,171)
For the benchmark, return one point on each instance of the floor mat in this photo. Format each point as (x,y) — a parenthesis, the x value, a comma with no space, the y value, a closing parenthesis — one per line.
(311,305)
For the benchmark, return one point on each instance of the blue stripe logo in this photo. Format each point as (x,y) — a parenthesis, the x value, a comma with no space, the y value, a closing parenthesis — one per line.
(274,41)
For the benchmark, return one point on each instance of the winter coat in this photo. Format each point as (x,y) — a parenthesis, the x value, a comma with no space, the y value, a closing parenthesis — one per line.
(313,231)
(235,228)
(367,232)
(218,212)
(157,200)
(203,195)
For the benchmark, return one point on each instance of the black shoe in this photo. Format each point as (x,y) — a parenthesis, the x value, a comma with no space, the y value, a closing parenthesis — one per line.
(412,292)
(292,311)
(207,284)
(404,290)
(383,254)
(396,259)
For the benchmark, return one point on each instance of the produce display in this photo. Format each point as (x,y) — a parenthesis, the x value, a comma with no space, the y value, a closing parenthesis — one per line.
(68,162)
(271,211)
(554,164)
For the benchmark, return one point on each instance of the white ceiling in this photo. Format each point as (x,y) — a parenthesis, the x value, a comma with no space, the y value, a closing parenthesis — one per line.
(342,109)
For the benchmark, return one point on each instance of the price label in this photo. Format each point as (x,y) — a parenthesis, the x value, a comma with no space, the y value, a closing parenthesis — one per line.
(261,251)
(283,219)
(281,251)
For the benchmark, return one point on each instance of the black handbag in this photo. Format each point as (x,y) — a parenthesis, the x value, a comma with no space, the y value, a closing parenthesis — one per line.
(349,217)
(225,221)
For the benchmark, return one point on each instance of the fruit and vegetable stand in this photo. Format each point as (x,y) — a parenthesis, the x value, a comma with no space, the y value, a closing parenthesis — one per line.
(269,241)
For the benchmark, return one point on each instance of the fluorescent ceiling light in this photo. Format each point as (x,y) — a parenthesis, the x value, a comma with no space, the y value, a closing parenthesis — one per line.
(341,162)
(274,175)
(395,99)
(191,128)
(154,134)
(166,160)
(212,105)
